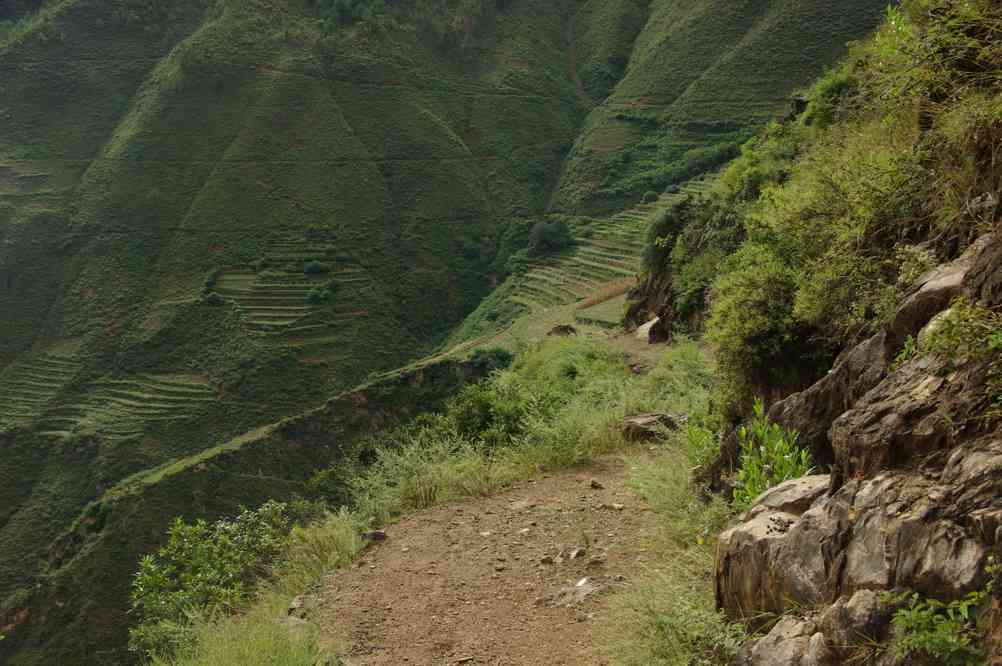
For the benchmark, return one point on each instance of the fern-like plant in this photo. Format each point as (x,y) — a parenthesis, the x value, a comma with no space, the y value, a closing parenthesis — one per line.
(769,456)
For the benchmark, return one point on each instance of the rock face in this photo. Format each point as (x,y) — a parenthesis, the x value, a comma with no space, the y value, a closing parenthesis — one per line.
(914,499)
(859,369)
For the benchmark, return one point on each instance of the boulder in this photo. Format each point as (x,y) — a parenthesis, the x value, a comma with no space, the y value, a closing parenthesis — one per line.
(984,280)
(792,642)
(895,530)
(861,619)
(750,556)
(562,331)
(936,290)
(650,426)
(644,332)
(812,411)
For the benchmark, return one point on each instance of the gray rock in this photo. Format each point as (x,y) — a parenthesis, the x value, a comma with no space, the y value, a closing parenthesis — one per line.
(857,620)
(562,331)
(858,370)
(792,642)
(645,427)
(895,530)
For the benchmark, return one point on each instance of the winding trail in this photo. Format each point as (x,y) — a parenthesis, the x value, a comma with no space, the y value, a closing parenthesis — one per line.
(521,577)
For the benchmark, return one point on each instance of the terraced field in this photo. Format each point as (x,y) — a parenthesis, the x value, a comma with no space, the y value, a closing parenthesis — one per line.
(122,407)
(277,299)
(30,385)
(607,253)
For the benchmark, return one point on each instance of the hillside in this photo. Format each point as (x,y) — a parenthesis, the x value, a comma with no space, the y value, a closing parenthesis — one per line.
(217,214)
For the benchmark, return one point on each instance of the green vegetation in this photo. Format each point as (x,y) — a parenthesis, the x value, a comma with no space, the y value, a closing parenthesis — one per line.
(202,568)
(668,618)
(806,243)
(158,310)
(965,333)
(927,631)
(549,237)
(254,636)
(560,404)
(665,121)
(769,456)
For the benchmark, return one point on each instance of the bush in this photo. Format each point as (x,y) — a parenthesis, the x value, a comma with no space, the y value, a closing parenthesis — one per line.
(548,237)
(212,279)
(316,268)
(495,358)
(751,313)
(203,568)
(769,456)
(932,633)
(320,295)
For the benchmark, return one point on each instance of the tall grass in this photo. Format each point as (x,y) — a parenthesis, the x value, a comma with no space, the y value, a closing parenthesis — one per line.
(561,404)
(669,617)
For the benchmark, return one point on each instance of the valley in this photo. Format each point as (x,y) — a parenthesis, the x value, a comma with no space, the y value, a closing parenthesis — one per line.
(236,236)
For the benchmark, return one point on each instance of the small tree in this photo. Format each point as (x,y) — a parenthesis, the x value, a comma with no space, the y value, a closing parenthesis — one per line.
(549,236)
(204,567)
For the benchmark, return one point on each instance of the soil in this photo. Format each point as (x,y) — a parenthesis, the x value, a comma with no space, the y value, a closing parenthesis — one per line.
(522,577)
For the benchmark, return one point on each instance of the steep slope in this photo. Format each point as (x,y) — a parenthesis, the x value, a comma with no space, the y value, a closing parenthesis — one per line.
(216,214)
(700,76)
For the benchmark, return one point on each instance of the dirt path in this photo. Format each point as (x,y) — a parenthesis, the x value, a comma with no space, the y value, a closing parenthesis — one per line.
(518,578)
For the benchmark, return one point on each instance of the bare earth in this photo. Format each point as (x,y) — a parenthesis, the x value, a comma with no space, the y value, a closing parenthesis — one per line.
(522,577)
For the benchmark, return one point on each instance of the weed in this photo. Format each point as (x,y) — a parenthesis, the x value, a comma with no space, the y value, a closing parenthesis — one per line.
(769,456)
(669,617)
(927,631)
(909,350)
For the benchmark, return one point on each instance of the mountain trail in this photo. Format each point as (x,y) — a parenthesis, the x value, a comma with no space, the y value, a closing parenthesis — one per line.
(521,577)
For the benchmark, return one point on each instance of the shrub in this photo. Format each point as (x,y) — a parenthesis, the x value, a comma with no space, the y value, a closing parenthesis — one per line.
(769,456)
(203,568)
(492,359)
(316,268)
(213,298)
(650,196)
(930,632)
(548,237)
(212,279)
(319,295)
(750,315)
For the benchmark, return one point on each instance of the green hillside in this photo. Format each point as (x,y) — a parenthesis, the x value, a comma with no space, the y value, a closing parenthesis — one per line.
(218,214)
(700,75)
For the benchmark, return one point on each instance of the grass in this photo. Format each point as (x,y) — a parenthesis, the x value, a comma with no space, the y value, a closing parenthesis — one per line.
(668,617)
(569,398)
(403,161)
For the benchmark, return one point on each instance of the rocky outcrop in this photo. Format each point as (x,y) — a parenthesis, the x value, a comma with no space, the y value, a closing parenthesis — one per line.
(856,371)
(914,500)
